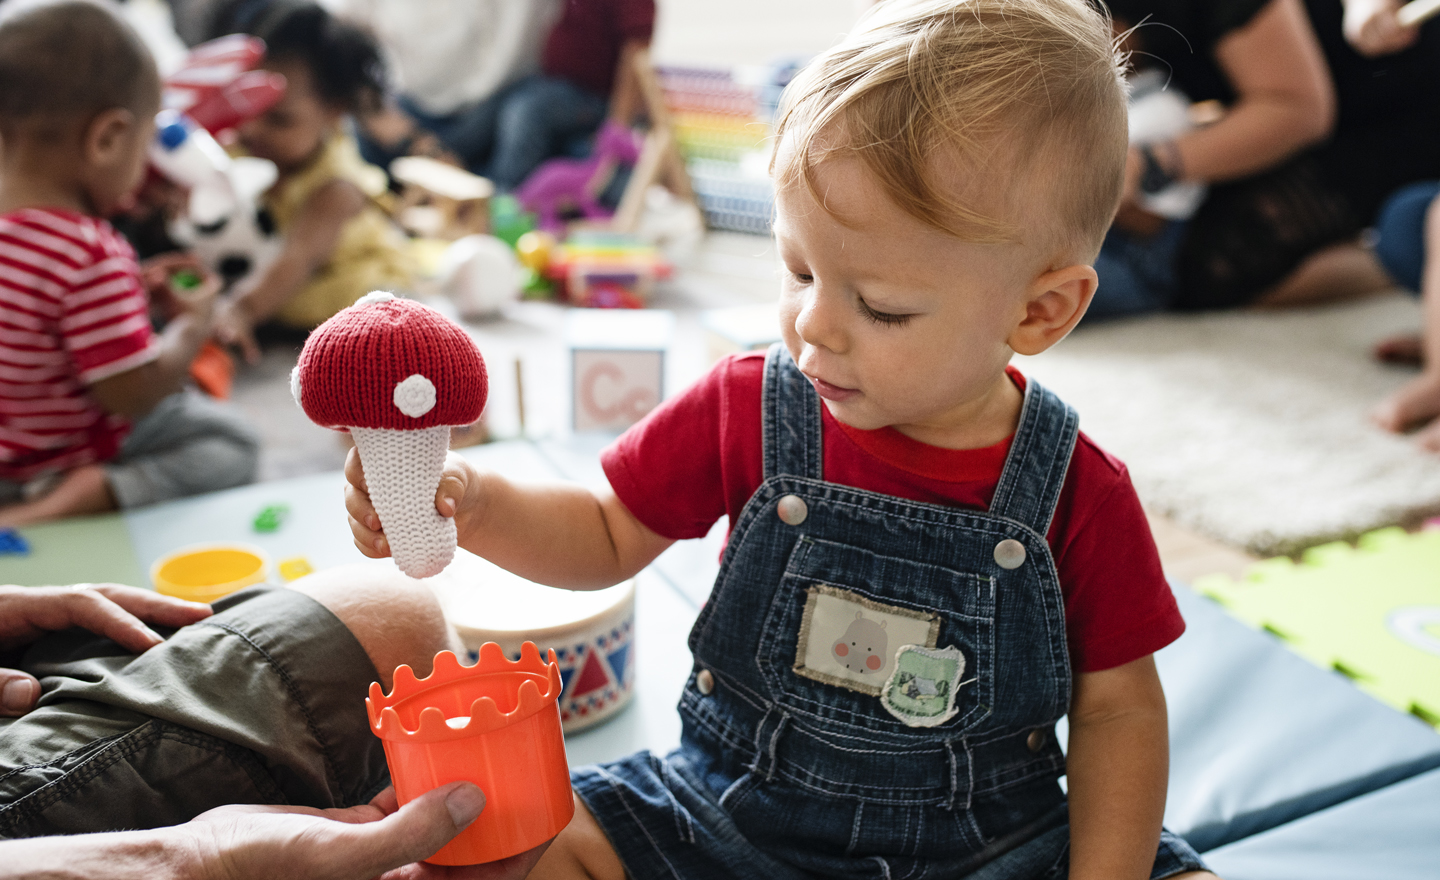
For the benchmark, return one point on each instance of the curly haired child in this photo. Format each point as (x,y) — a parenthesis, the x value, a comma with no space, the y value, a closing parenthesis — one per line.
(339,244)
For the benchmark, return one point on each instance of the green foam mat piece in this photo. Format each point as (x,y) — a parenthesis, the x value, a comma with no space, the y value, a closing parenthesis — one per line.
(89,549)
(1370,612)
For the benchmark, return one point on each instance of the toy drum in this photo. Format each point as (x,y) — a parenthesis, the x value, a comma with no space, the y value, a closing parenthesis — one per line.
(208,572)
(592,632)
(494,724)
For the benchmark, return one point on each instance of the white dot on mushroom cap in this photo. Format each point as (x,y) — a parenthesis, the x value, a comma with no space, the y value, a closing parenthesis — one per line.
(295,383)
(374,296)
(415,396)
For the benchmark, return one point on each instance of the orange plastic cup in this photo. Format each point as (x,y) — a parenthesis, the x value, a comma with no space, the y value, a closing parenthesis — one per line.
(496,724)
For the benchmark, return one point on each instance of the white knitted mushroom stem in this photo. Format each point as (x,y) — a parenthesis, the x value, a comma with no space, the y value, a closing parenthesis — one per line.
(402,469)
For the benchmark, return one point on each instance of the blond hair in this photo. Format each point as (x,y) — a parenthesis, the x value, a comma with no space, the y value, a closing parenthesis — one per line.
(1029,93)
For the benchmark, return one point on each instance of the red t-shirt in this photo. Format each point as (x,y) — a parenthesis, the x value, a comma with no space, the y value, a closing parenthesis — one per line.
(72,312)
(698,457)
(584,46)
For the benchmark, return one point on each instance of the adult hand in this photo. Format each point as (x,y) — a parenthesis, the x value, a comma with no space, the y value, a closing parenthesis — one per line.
(116,612)
(1372,28)
(457,496)
(377,840)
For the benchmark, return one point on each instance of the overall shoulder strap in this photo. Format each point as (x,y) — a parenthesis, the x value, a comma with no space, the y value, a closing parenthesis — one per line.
(790,414)
(1039,457)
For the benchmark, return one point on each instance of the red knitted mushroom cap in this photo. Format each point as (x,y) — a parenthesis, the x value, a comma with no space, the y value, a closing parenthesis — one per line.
(390,363)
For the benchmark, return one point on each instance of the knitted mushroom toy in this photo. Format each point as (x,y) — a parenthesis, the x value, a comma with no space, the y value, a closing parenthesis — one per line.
(396,375)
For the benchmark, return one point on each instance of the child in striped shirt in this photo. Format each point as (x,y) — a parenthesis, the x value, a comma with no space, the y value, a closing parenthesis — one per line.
(92,412)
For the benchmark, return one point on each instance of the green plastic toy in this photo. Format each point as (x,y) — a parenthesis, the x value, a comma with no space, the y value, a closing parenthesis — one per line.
(271,517)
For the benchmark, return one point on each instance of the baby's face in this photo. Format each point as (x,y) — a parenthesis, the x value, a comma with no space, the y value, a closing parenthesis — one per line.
(896,323)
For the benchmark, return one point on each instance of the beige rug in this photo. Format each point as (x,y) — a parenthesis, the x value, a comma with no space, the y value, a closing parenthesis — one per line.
(1251,427)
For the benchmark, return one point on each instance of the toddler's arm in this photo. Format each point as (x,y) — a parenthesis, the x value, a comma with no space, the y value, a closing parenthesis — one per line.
(555,534)
(308,245)
(1118,767)
(135,392)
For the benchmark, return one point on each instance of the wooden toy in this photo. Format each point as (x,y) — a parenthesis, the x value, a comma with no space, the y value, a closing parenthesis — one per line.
(617,365)
(607,270)
(208,572)
(438,200)
(494,724)
(591,632)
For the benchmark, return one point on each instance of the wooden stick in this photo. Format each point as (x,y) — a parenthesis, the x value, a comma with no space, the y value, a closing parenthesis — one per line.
(520,394)
(1416,11)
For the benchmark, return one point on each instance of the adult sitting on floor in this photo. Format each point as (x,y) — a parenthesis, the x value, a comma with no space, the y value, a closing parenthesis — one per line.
(260,703)
(1296,166)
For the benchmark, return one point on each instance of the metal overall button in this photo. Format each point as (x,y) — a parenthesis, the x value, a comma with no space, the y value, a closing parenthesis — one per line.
(1009,553)
(792,510)
(705,682)
(1036,740)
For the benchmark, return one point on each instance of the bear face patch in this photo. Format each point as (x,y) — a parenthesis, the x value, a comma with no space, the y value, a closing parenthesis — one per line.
(848,640)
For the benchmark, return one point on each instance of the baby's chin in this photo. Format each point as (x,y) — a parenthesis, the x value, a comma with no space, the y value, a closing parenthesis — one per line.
(852,414)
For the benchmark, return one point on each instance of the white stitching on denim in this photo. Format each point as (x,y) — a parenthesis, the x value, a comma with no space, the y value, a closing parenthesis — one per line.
(687,832)
(855,823)
(620,793)
(954,773)
(775,745)
(970,772)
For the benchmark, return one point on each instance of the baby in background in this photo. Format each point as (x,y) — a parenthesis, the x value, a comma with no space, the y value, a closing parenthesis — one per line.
(927,565)
(338,243)
(92,415)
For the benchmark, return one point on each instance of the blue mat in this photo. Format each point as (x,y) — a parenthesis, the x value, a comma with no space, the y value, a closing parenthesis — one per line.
(1390,834)
(1259,737)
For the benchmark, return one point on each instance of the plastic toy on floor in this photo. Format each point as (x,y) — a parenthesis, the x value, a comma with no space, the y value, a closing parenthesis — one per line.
(496,724)
(607,270)
(213,92)
(1370,612)
(562,186)
(397,375)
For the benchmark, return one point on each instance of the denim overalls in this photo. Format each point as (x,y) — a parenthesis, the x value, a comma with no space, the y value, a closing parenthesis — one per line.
(876,680)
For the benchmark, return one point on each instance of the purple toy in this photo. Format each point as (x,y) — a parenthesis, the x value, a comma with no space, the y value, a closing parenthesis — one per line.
(575,184)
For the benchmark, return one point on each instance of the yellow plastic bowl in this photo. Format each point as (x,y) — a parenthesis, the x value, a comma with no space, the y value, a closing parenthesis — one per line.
(209,572)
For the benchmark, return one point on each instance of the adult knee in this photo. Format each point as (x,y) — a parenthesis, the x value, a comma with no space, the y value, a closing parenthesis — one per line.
(397,620)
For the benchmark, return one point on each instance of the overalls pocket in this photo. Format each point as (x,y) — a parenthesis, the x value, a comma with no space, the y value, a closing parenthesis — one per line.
(880,645)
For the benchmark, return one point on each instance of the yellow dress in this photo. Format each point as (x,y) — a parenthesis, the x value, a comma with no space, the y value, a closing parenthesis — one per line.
(370,254)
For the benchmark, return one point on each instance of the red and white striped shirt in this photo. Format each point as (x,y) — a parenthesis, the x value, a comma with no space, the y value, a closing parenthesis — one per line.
(72,312)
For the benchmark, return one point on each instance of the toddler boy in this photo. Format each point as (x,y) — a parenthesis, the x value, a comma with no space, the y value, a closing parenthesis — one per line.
(928,566)
(91,412)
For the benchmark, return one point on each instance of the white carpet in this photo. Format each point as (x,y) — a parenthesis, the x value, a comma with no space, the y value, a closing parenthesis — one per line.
(1251,427)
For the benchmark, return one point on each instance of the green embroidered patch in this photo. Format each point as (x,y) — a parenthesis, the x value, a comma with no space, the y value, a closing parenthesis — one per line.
(921,690)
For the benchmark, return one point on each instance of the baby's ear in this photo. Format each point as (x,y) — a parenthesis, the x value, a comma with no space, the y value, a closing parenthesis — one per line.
(1055,303)
(106,135)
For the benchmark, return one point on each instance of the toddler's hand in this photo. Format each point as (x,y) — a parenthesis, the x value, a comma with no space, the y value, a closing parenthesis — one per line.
(180,284)
(1373,29)
(457,496)
(234,328)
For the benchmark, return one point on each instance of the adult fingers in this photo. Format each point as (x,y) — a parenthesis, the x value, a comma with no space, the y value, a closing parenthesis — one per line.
(18,692)
(30,612)
(154,607)
(414,832)
(91,609)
